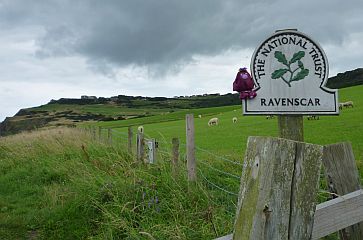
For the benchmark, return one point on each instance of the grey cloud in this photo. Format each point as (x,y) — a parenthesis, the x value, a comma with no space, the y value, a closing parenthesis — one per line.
(166,34)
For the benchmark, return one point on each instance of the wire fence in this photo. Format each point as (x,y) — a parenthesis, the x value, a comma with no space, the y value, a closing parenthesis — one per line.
(210,171)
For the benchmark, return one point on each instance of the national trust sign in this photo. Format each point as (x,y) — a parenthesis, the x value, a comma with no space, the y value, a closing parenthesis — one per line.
(290,71)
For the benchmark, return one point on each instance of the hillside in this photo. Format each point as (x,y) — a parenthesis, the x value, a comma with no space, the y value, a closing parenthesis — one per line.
(346,79)
(71,112)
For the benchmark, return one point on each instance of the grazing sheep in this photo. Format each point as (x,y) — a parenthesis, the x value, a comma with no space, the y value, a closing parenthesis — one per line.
(213,121)
(200,116)
(270,116)
(313,117)
(341,105)
(348,104)
(140,129)
(234,119)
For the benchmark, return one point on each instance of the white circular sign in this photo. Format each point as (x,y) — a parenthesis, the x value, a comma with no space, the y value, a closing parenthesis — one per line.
(290,71)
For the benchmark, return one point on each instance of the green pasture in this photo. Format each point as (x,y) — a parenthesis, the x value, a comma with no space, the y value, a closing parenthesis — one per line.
(228,139)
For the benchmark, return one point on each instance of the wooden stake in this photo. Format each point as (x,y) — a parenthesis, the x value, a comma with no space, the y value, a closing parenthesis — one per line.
(278,189)
(129,145)
(109,136)
(191,163)
(342,175)
(140,147)
(100,133)
(175,158)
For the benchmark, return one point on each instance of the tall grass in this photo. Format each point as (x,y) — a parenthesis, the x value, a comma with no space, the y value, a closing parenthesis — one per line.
(61,184)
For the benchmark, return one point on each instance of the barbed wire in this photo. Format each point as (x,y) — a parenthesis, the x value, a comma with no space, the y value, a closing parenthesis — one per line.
(115,131)
(220,157)
(220,171)
(216,186)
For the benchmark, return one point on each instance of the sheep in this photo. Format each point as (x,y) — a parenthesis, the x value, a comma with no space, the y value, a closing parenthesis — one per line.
(140,129)
(199,116)
(341,106)
(348,104)
(270,116)
(213,121)
(313,117)
(234,119)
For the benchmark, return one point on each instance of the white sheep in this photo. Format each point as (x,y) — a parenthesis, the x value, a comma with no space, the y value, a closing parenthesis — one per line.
(140,129)
(199,116)
(213,121)
(270,116)
(341,105)
(313,117)
(348,104)
(234,119)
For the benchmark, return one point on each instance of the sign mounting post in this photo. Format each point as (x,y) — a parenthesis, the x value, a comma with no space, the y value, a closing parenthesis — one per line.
(290,71)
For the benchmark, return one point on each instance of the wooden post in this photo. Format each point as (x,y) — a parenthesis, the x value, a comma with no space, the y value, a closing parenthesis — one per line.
(129,145)
(279,183)
(109,136)
(94,133)
(175,156)
(342,175)
(140,147)
(191,163)
(151,151)
(291,127)
(333,215)
(100,133)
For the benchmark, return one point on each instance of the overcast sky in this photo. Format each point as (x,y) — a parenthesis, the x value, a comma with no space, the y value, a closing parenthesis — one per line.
(67,48)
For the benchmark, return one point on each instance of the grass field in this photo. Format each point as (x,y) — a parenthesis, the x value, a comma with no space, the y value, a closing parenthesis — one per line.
(62,184)
(230,139)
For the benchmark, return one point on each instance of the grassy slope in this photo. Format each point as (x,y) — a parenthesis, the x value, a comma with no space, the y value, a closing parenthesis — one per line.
(52,189)
(230,139)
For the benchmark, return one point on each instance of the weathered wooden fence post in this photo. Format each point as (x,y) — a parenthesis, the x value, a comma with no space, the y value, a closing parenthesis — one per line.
(191,163)
(175,156)
(109,136)
(94,133)
(100,133)
(278,190)
(342,176)
(151,150)
(140,147)
(129,138)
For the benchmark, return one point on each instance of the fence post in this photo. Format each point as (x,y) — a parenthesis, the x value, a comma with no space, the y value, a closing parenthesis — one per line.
(279,184)
(94,133)
(291,127)
(175,156)
(109,136)
(151,151)
(140,146)
(191,163)
(341,173)
(100,133)
(129,145)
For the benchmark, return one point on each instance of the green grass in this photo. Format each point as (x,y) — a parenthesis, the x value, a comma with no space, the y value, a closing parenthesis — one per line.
(230,139)
(61,184)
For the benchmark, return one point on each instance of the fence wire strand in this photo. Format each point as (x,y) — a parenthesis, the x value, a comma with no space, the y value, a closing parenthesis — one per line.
(216,186)
(220,157)
(220,171)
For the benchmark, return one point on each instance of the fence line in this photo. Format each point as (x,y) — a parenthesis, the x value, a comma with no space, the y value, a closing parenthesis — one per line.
(220,157)
(215,185)
(220,171)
